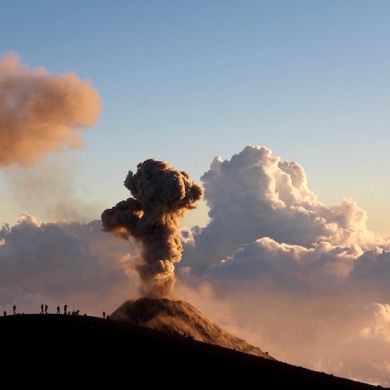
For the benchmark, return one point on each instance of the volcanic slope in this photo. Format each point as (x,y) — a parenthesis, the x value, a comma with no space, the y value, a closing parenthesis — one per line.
(181,319)
(79,350)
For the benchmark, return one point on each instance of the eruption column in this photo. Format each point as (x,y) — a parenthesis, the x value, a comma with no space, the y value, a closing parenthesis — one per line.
(161,197)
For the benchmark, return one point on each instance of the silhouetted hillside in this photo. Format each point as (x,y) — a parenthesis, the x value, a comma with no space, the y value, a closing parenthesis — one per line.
(182,319)
(73,349)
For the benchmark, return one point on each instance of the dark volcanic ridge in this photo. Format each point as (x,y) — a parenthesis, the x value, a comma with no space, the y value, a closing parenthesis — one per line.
(182,319)
(64,349)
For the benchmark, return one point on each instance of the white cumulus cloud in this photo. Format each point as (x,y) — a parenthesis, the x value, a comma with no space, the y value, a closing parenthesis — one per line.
(306,281)
(257,194)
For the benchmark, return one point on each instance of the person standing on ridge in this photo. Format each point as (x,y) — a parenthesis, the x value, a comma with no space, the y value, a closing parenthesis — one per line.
(65,309)
(58,310)
(46,308)
(14,308)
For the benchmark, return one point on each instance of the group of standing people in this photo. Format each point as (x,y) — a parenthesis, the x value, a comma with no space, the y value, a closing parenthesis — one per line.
(45,310)
(13,309)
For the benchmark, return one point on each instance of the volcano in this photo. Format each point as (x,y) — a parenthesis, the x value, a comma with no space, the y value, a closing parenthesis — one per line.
(181,319)
(68,350)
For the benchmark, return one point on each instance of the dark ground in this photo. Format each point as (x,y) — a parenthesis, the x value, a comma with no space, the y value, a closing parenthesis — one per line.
(71,350)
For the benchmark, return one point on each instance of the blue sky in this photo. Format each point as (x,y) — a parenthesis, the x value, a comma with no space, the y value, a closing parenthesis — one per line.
(187,80)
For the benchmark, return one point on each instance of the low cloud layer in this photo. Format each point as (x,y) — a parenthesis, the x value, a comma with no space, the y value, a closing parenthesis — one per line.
(62,263)
(306,281)
(41,112)
(316,307)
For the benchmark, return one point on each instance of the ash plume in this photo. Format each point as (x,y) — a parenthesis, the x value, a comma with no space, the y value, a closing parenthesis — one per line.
(41,112)
(161,196)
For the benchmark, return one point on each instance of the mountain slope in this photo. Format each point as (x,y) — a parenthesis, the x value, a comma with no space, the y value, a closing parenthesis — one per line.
(73,350)
(182,319)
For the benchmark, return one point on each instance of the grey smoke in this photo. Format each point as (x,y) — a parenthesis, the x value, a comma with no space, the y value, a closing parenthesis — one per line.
(161,196)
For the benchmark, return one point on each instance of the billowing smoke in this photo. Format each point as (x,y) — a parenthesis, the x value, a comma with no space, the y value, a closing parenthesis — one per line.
(161,196)
(41,112)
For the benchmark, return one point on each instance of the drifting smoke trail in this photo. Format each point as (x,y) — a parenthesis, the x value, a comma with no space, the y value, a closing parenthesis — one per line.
(161,196)
(41,112)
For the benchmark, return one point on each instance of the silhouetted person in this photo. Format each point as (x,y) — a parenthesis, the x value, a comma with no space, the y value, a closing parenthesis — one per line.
(14,309)
(104,314)
(58,310)
(65,309)
(42,308)
(46,308)
(4,313)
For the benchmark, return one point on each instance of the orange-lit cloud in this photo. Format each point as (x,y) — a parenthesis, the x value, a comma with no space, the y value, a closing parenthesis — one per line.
(41,112)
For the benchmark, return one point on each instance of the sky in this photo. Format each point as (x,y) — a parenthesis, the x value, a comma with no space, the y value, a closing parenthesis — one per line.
(287,245)
(188,80)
